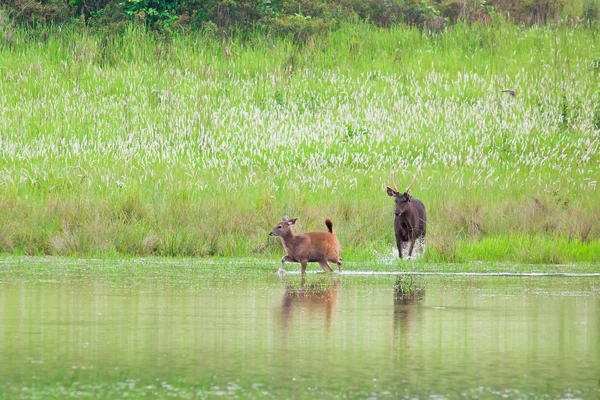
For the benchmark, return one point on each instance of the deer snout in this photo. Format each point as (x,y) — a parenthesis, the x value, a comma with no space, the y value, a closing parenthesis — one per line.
(397,212)
(271,234)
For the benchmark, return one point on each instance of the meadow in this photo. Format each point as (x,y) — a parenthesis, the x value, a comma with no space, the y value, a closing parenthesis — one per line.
(196,146)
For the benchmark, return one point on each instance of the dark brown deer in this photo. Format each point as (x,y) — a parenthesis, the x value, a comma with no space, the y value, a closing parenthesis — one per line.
(410,221)
(318,247)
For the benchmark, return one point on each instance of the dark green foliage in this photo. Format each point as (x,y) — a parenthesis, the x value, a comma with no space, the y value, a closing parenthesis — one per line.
(110,19)
(539,11)
(31,12)
(299,19)
(239,14)
(528,11)
(152,12)
(471,11)
(417,13)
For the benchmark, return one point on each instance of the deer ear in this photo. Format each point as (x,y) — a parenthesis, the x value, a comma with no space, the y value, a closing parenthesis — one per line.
(408,197)
(390,191)
(292,221)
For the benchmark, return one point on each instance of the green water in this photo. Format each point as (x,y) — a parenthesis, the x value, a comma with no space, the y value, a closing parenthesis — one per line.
(203,331)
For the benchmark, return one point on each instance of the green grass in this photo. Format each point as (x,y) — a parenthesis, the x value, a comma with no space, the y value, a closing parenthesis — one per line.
(135,145)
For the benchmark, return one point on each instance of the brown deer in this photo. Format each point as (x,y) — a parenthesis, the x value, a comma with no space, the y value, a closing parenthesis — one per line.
(318,247)
(410,220)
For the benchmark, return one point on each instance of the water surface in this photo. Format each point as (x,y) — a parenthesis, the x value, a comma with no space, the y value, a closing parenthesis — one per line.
(205,332)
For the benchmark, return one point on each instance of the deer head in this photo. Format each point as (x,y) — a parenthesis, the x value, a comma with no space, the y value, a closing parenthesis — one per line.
(283,228)
(402,199)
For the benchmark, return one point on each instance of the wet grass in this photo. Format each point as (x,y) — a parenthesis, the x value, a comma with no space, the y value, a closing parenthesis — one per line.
(138,146)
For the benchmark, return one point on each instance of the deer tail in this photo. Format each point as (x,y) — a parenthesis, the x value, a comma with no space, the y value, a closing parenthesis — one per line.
(329,224)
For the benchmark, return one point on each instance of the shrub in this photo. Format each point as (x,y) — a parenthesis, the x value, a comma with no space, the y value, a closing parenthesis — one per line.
(298,27)
(417,13)
(34,12)
(151,12)
(109,19)
(529,11)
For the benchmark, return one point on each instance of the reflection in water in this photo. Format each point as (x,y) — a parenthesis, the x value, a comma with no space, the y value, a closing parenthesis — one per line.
(312,299)
(409,291)
(378,337)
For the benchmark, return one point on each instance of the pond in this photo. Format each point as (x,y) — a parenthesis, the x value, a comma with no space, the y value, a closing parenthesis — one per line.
(205,332)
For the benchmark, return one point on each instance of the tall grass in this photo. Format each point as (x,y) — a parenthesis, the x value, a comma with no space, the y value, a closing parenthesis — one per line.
(197,146)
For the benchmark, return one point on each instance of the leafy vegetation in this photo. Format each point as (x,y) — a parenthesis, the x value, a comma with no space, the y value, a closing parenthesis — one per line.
(285,16)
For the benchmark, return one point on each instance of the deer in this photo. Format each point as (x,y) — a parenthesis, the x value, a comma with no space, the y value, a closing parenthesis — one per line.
(410,220)
(321,247)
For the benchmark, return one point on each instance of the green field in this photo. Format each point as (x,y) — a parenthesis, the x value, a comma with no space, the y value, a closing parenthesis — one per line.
(197,146)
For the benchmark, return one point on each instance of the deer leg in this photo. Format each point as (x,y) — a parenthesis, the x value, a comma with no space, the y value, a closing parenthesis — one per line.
(283,260)
(399,244)
(339,264)
(410,249)
(325,265)
(304,263)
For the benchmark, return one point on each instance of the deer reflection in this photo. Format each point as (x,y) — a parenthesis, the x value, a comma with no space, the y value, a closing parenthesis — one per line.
(312,299)
(408,293)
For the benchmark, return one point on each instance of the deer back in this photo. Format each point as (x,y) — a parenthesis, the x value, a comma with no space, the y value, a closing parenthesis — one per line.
(314,246)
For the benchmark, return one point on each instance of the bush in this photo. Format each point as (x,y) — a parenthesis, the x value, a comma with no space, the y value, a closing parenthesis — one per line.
(151,12)
(298,27)
(239,14)
(109,19)
(529,11)
(417,13)
(455,10)
(298,18)
(30,12)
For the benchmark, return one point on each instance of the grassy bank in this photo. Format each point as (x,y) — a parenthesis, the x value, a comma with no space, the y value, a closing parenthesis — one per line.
(192,146)
(183,272)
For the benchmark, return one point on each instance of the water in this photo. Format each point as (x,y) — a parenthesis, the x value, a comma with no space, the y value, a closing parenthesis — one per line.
(249,335)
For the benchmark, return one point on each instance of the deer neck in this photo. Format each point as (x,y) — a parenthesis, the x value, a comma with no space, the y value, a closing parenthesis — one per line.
(288,240)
